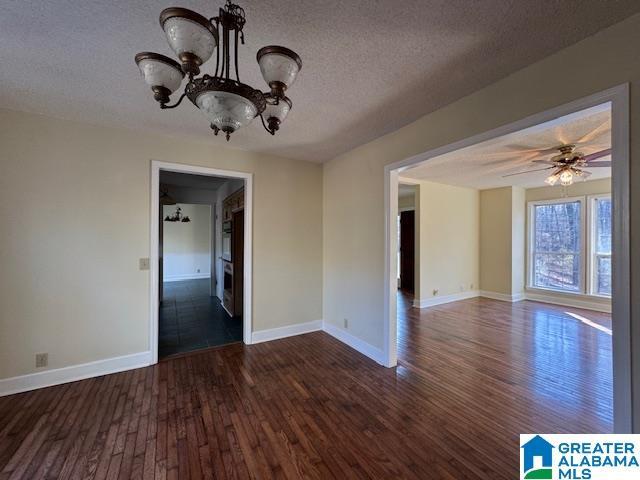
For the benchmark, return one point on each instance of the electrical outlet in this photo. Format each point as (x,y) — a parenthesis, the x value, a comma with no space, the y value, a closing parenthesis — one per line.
(345,323)
(198,270)
(143,264)
(461,288)
(435,292)
(471,286)
(42,360)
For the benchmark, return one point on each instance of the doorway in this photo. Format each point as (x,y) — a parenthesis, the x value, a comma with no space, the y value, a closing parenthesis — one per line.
(191,307)
(621,318)
(406,251)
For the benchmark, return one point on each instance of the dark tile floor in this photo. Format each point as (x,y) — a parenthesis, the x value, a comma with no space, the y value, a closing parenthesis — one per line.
(190,319)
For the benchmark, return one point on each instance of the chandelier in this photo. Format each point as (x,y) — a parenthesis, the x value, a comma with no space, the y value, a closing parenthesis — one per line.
(177,217)
(227,103)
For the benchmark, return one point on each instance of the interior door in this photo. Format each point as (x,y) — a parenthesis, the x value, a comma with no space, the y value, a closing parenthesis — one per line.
(407,251)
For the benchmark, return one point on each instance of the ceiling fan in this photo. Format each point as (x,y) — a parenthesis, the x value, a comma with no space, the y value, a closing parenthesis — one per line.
(568,164)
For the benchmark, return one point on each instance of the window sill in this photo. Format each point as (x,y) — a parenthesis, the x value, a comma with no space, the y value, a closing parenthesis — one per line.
(560,293)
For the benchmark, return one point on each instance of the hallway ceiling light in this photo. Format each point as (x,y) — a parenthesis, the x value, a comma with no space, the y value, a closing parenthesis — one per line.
(227,103)
(177,217)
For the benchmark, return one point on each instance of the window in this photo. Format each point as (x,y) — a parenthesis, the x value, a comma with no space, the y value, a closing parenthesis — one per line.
(570,245)
(601,246)
(556,253)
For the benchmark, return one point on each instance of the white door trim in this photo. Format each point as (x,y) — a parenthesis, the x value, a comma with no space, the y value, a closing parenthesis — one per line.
(156,167)
(621,309)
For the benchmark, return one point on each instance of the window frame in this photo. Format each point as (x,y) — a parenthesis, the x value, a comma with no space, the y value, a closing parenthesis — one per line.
(584,214)
(591,246)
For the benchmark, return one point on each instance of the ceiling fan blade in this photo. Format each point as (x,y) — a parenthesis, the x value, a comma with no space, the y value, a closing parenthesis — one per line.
(595,156)
(599,130)
(528,171)
(531,149)
(583,173)
(546,162)
(599,164)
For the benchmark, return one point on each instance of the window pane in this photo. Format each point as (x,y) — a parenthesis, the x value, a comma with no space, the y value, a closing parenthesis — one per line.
(603,225)
(604,275)
(557,271)
(558,227)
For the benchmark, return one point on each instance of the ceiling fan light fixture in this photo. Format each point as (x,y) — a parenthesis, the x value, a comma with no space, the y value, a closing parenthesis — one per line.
(551,180)
(566,178)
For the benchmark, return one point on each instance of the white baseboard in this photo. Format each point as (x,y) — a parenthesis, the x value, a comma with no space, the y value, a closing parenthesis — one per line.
(569,302)
(361,346)
(47,378)
(283,332)
(430,302)
(503,297)
(291,330)
(186,276)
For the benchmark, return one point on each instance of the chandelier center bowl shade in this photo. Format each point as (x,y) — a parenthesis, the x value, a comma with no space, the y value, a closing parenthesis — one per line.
(225,101)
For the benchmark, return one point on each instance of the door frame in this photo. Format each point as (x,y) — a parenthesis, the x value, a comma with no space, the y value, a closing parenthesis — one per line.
(156,167)
(618,97)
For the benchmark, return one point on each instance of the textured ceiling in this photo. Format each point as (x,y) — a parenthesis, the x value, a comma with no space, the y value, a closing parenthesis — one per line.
(370,67)
(484,165)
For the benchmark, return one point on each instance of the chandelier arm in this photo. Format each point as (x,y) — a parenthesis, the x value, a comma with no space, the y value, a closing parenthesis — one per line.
(222,50)
(272,132)
(227,54)
(217,20)
(235,46)
(165,106)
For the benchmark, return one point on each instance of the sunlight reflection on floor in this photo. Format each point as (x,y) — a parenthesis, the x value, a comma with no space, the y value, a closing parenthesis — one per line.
(586,321)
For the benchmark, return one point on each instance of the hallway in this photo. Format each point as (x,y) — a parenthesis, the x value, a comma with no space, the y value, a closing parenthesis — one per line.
(190,319)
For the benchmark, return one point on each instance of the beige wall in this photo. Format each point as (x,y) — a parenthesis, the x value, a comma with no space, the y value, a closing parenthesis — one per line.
(592,187)
(518,241)
(495,240)
(502,248)
(186,246)
(449,243)
(74,203)
(354,182)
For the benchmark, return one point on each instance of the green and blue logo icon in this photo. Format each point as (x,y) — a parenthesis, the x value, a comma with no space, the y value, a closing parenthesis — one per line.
(537,459)
(579,456)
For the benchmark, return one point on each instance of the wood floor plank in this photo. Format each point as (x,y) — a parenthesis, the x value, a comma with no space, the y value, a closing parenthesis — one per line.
(472,375)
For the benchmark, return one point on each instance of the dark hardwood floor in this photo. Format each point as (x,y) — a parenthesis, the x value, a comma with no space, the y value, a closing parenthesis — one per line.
(472,376)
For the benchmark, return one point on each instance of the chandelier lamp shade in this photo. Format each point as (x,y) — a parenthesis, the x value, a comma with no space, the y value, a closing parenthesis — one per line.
(226,102)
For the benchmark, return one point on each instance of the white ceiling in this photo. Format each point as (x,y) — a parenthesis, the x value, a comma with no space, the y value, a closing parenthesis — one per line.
(370,67)
(202,182)
(484,165)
